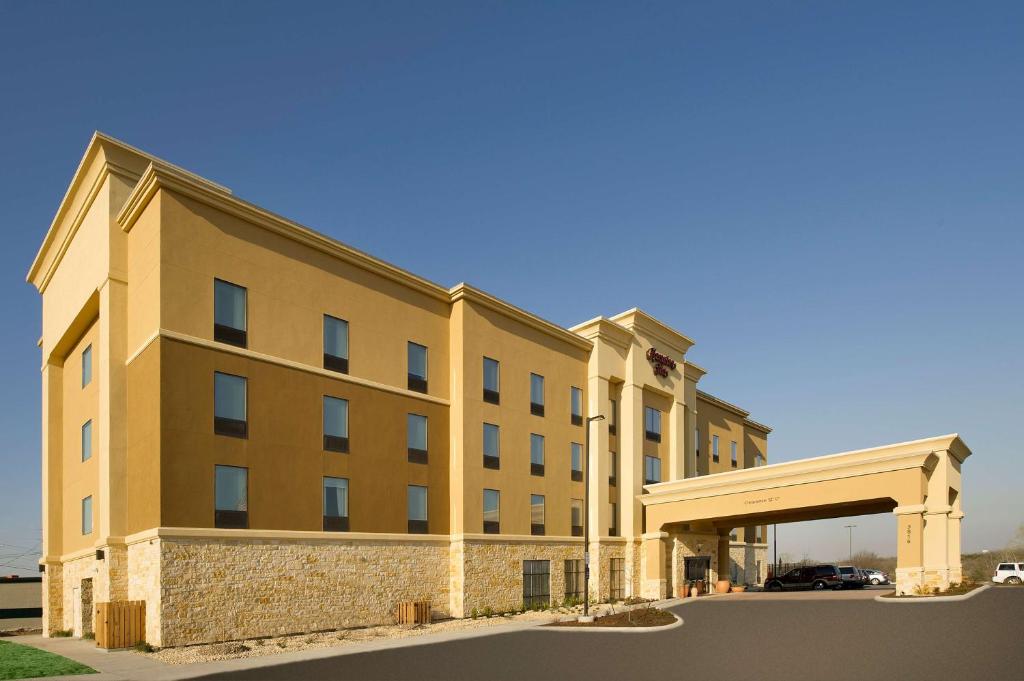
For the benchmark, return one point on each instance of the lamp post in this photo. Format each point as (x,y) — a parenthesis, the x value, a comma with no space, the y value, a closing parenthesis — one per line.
(586,514)
(850,528)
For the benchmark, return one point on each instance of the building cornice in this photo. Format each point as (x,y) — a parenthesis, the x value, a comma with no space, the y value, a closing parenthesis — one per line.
(693,372)
(751,423)
(464,291)
(606,330)
(649,326)
(719,402)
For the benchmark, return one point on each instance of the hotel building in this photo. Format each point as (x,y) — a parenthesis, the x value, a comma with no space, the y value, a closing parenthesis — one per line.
(257,430)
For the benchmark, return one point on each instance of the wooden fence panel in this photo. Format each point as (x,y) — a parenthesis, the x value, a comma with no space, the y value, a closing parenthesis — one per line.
(120,624)
(413,612)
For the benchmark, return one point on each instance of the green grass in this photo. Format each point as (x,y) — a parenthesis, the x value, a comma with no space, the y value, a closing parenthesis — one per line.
(24,662)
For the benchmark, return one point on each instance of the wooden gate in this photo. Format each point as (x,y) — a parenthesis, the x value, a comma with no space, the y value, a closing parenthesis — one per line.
(120,624)
(413,612)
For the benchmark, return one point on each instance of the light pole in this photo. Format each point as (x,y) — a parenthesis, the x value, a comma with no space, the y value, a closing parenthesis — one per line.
(586,515)
(850,528)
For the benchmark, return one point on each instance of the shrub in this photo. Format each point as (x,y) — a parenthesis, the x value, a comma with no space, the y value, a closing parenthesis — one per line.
(143,647)
(61,633)
(91,636)
(473,613)
(488,611)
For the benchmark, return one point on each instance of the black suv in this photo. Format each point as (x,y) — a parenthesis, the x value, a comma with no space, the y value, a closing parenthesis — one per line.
(817,577)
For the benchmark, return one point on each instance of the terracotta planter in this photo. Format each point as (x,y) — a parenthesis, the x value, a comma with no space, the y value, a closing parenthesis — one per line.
(694,592)
(739,589)
(722,586)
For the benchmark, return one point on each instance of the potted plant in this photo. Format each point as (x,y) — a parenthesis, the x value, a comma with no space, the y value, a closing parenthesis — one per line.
(722,586)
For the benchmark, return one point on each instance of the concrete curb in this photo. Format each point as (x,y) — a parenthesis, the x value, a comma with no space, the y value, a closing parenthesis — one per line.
(934,599)
(615,630)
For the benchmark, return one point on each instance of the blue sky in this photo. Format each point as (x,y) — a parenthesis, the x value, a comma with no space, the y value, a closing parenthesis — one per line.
(826,196)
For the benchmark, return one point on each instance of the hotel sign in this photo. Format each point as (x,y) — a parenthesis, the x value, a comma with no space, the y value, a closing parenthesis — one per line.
(661,364)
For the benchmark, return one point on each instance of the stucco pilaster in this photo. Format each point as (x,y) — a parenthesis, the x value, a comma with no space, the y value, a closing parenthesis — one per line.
(113,425)
(652,565)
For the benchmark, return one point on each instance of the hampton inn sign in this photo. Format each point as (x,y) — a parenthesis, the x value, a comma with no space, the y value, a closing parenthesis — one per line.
(662,363)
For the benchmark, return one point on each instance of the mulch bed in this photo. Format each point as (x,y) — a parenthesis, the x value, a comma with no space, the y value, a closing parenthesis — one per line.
(641,617)
(953,590)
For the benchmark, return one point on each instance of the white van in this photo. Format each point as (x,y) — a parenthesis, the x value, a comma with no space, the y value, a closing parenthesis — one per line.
(1009,573)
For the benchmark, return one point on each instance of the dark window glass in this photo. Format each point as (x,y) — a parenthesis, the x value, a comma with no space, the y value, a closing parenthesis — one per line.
(574,580)
(87,515)
(576,406)
(491,371)
(335,344)
(229,405)
(536,514)
(576,461)
(335,424)
(87,366)
(652,424)
(417,509)
(536,454)
(652,470)
(492,511)
(416,438)
(335,505)
(613,417)
(87,440)
(617,577)
(613,467)
(229,324)
(714,448)
(231,497)
(613,525)
(536,395)
(492,444)
(536,583)
(733,447)
(417,367)
(576,517)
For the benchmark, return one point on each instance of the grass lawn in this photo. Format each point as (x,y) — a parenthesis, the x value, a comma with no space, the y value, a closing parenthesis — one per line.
(19,662)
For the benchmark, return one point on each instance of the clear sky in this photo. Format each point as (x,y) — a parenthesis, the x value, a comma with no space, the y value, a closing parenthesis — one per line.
(826,196)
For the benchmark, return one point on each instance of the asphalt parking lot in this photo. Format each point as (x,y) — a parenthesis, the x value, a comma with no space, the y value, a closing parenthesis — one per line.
(831,635)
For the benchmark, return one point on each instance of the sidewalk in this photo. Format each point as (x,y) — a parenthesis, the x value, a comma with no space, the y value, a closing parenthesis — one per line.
(123,665)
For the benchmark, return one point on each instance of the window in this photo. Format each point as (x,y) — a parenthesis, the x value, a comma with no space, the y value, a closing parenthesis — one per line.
(576,406)
(613,467)
(732,446)
(491,393)
(536,584)
(229,313)
(758,460)
(759,534)
(573,581)
(536,395)
(87,366)
(417,500)
(617,578)
(537,514)
(416,438)
(696,440)
(733,535)
(417,367)
(576,517)
(492,446)
(229,408)
(613,523)
(231,497)
(536,454)
(87,515)
(613,419)
(652,424)
(335,344)
(335,424)
(335,505)
(652,470)
(492,511)
(87,440)
(576,458)
(714,448)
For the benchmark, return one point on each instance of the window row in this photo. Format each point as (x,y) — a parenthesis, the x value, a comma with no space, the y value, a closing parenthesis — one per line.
(231,502)
(714,449)
(230,326)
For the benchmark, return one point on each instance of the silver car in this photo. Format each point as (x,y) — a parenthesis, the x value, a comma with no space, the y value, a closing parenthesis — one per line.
(875,577)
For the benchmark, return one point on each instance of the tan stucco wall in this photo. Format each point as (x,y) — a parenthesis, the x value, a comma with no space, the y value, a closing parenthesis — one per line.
(80,478)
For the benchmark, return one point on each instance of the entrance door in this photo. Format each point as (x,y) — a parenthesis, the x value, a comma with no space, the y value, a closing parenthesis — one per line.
(698,567)
(76,611)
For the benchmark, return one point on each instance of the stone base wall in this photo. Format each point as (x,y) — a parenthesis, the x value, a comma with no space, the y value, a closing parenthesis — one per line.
(601,556)
(748,564)
(221,589)
(53,599)
(75,617)
(493,570)
(691,544)
(142,562)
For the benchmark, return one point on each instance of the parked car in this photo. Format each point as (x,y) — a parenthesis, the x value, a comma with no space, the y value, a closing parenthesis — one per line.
(1009,573)
(851,577)
(817,577)
(875,577)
